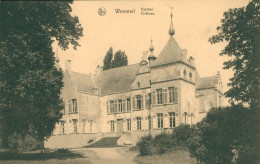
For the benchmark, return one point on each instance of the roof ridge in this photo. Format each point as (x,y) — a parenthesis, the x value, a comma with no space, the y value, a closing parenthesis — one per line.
(119,67)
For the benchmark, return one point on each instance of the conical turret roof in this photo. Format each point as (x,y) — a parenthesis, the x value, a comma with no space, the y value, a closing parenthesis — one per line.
(170,53)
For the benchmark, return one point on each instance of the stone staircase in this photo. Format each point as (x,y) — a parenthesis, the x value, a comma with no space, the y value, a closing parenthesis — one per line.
(104,143)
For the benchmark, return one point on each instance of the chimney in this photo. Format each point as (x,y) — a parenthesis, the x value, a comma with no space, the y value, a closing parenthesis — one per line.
(99,69)
(192,61)
(68,65)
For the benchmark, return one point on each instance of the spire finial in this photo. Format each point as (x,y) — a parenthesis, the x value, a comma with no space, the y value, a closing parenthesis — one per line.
(171,30)
(151,46)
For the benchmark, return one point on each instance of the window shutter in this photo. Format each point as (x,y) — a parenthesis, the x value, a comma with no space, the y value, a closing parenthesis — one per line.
(124,105)
(70,106)
(107,107)
(133,102)
(115,106)
(153,97)
(176,119)
(142,102)
(164,96)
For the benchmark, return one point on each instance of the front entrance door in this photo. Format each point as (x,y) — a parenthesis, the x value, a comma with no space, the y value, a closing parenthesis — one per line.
(120,127)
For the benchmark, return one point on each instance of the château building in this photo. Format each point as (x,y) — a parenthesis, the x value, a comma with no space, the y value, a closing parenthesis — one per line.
(155,95)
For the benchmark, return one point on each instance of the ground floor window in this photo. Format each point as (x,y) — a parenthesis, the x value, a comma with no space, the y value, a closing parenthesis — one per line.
(75,128)
(128,124)
(160,120)
(112,125)
(62,124)
(139,123)
(172,119)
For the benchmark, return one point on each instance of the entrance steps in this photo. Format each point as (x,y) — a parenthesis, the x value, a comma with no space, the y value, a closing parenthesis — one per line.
(104,143)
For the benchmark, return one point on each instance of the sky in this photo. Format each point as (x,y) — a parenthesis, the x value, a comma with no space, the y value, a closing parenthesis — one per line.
(194,21)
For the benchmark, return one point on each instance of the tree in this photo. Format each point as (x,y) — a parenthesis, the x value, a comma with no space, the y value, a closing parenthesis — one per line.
(225,134)
(240,28)
(108,59)
(119,59)
(30,89)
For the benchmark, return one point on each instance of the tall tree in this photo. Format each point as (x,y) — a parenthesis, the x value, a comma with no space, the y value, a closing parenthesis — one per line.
(114,60)
(240,28)
(30,85)
(120,59)
(108,59)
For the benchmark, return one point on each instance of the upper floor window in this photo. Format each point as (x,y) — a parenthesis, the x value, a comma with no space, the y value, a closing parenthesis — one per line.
(138,84)
(148,101)
(172,94)
(159,96)
(139,102)
(73,106)
(128,101)
(164,96)
(120,106)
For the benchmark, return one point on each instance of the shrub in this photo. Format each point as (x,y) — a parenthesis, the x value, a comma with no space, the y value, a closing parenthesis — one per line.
(225,134)
(90,140)
(62,151)
(146,146)
(162,143)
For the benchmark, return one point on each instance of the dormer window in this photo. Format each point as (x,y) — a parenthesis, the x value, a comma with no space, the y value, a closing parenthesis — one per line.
(138,84)
(184,72)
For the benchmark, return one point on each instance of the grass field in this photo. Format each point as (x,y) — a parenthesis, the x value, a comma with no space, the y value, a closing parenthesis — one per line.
(176,157)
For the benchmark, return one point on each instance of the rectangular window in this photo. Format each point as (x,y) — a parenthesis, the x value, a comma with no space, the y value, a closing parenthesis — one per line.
(139,102)
(172,95)
(153,97)
(120,106)
(112,107)
(75,128)
(62,124)
(74,106)
(128,124)
(128,100)
(124,105)
(164,96)
(159,96)
(160,120)
(83,125)
(172,119)
(139,123)
(112,125)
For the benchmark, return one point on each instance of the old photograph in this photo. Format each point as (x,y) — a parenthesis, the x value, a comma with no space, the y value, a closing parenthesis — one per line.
(130,82)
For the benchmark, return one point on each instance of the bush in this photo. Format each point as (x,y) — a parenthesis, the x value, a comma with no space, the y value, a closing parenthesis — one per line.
(226,135)
(90,140)
(182,136)
(62,151)
(146,146)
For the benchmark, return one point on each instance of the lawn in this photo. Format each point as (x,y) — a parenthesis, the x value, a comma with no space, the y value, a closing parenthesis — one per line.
(176,157)
(53,157)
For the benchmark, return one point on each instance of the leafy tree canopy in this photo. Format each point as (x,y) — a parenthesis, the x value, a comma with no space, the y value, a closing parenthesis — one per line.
(30,85)
(240,28)
(114,60)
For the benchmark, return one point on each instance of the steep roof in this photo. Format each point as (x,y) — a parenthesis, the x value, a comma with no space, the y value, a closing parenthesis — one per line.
(171,52)
(83,82)
(116,80)
(206,82)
